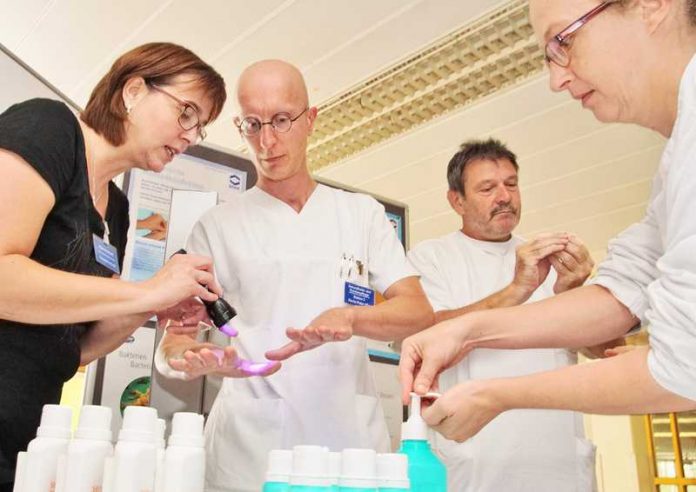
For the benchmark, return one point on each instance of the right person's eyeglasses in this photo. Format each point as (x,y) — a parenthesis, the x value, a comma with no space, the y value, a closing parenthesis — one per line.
(556,49)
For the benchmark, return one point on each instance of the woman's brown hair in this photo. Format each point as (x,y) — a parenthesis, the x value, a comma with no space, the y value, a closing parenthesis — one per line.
(157,63)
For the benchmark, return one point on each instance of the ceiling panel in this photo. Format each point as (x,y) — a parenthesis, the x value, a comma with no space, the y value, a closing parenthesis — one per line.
(75,35)
(207,35)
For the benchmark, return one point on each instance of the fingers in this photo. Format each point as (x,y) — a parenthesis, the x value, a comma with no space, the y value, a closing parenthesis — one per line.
(434,414)
(251,368)
(200,269)
(579,252)
(284,352)
(407,368)
(563,263)
(426,376)
(188,330)
(542,246)
(622,349)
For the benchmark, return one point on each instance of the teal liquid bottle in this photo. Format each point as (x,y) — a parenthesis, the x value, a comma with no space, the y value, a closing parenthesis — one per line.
(425,471)
(278,471)
(310,469)
(358,470)
(392,472)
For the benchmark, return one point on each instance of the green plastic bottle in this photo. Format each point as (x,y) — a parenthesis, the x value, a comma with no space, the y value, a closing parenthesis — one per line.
(425,471)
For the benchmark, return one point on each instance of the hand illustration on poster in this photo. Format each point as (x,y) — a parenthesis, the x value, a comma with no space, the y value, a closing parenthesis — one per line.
(151,225)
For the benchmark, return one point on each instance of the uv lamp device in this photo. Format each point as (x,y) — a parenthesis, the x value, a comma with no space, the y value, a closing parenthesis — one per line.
(219,311)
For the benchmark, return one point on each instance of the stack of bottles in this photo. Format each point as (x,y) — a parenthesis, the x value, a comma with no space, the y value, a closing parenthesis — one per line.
(55,462)
(414,468)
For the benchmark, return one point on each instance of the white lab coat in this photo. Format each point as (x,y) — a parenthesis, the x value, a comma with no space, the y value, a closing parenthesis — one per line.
(521,450)
(281,269)
(651,266)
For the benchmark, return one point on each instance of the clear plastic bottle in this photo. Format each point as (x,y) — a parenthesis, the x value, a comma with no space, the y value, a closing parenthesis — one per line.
(425,471)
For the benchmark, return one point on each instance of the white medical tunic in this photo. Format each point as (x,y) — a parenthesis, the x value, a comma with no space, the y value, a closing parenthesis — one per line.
(281,269)
(520,450)
(651,266)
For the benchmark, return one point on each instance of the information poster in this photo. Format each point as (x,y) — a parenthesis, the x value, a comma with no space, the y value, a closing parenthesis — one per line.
(150,205)
(129,369)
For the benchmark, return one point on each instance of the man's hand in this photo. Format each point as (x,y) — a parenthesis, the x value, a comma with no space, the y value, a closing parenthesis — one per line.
(573,265)
(333,325)
(533,262)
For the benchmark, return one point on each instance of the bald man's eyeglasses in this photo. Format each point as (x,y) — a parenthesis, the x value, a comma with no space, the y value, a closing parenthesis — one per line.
(280,122)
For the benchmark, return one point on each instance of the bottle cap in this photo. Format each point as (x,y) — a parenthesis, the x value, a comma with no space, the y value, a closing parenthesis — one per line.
(392,471)
(55,422)
(358,468)
(139,424)
(415,428)
(310,466)
(95,423)
(279,466)
(187,430)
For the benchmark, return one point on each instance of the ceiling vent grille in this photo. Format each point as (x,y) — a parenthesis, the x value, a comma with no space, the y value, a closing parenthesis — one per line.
(495,52)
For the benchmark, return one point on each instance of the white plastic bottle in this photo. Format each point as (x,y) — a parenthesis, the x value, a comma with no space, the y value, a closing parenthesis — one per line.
(278,471)
(52,439)
(310,468)
(84,465)
(161,443)
(19,471)
(184,462)
(392,472)
(358,471)
(334,469)
(135,455)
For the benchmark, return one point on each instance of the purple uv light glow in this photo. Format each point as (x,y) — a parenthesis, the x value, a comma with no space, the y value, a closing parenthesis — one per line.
(229,330)
(255,368)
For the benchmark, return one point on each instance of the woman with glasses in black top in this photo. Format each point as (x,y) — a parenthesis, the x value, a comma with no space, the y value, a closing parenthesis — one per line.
(64,225)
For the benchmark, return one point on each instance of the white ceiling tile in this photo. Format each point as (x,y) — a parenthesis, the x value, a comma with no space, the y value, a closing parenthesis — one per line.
(19,19)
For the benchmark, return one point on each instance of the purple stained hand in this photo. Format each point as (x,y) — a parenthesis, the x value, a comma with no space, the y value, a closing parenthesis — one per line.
(255,368)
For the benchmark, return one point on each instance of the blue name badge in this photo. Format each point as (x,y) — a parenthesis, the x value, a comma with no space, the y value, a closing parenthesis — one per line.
(106,254)
(357,295)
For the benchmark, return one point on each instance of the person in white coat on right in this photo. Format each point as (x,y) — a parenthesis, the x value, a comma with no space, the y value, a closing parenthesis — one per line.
(482,266)
(632,62)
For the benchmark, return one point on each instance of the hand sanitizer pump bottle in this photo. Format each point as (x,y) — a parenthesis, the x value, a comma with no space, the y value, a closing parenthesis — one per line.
(425,471)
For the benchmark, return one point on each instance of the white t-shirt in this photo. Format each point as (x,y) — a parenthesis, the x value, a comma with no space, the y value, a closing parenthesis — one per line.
(280,269)
(521,450)
(651,266)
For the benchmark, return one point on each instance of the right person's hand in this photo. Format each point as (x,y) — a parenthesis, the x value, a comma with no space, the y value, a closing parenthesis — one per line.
(182,277)
(427,353)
